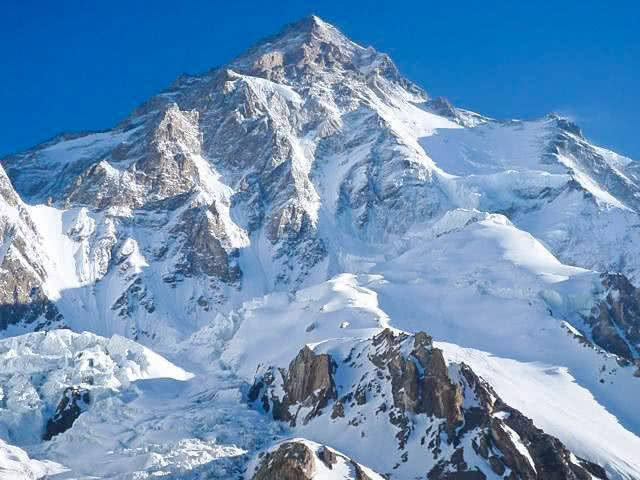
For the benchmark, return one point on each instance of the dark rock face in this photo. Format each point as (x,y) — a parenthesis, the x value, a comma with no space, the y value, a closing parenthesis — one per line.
(567,125)
(405,378)
(567,141)
(34,308)
(22,267)
(328,457)
(502,435)
(615,322)
(203,251)
(310,376)
(307,383)
(442,106)
(74,401)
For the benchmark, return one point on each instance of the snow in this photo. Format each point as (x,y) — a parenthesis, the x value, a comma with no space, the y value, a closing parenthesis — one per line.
(591,186)
(471,278)
(490,148)
(37,367)
(15,464)
(517,441)
(52,225)
(265,89)
(46,166)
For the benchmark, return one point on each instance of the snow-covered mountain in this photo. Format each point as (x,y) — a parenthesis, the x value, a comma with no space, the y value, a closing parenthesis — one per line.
(306,202)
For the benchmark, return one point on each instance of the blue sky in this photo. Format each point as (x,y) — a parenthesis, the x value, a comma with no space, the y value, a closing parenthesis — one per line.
(78,65)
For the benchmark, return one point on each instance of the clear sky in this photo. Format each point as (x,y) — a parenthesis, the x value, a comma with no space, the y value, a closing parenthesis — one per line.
(81,65)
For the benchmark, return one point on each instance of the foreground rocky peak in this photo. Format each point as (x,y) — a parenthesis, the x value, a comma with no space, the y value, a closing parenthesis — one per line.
(300,459)
(434,418)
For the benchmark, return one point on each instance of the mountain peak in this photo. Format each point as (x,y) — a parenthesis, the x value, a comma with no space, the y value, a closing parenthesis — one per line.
(314,26)
(309,40)
(311,48)
(310,23)
(565,123)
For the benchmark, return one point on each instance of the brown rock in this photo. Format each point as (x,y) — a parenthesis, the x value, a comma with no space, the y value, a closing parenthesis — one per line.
(310,375)
(424,387)
(295,460)
(496,465)
(551,458)
(291,461)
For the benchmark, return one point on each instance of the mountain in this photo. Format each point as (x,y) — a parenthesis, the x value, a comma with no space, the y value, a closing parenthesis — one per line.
(254,252)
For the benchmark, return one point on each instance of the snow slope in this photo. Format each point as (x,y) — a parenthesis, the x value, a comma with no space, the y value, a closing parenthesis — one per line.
(15,464)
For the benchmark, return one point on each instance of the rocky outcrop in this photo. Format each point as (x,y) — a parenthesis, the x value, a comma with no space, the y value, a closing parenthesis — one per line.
(75,400)
(300,459)
(291,461)
(421,386)
(30,308)
(206,247)
(310,376)
(567,146)
(308,384)
(440,411)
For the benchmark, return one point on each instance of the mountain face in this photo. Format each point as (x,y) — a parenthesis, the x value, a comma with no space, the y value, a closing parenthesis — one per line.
(281,230)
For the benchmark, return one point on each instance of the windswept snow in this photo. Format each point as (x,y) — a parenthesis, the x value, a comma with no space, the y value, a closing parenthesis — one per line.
(339,308)
(52,224)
